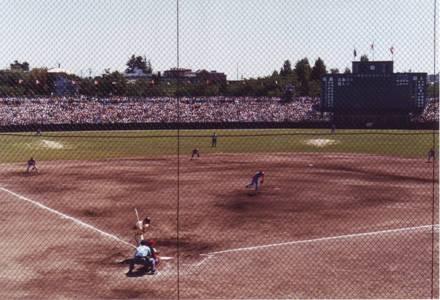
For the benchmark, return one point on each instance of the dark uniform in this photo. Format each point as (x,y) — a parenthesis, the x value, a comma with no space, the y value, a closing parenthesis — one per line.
(257,180)
(431,155)
(31,165)
(195,152)
(214,140)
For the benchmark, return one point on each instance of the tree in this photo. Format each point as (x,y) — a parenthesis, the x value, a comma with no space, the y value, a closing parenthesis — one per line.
(318,69)
(334,71)
(432,90)
(87,87)
(111,84)
(286,70)
(303,72)
(12,83)
(138,63)
(315,88)
(364,58)
(347,70)
(38,82)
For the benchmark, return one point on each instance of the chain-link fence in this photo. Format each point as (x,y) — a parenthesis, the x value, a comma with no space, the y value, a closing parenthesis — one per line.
(219,150)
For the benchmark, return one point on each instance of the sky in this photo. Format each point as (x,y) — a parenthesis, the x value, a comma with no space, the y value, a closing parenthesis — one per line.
(243,38)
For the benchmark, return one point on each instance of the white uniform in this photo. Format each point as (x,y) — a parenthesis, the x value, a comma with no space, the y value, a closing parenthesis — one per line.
(142,228)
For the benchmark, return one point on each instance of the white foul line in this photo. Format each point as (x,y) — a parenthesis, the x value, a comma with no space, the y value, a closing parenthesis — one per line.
(64,216)
(347,236)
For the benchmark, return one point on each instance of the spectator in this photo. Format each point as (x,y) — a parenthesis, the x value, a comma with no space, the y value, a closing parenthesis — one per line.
(91,110)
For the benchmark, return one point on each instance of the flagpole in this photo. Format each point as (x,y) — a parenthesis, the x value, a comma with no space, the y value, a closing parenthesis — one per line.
(373,50)
(237,71)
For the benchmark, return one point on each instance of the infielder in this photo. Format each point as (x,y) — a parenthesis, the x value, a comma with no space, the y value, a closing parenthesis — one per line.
(431,155)
(195,152)
(257,180)
(31,165)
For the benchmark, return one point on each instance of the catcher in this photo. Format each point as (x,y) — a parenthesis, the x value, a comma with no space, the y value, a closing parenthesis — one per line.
(145,256)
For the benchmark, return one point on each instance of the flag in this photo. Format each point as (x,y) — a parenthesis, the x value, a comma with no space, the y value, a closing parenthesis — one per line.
(354,53)
(372,46)
(392,50)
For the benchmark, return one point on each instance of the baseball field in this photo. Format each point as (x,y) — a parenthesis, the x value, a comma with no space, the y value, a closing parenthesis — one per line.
(346,215)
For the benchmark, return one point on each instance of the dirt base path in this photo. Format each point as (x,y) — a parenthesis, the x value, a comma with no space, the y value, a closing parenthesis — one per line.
(305,197)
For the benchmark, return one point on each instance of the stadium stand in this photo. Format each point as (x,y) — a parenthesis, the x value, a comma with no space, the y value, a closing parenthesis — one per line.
(124,110)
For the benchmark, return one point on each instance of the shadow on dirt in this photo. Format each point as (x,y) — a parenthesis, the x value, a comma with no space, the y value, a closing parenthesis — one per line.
(187,246)
(138,271)
(24,174)
(247,206)
(249,200)
(376,176)
(96,212)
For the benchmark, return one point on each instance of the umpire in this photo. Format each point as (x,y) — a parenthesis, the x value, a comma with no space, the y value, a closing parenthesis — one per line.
(143,256)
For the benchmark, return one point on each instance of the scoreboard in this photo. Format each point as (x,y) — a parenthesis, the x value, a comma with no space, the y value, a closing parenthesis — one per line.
(373,89)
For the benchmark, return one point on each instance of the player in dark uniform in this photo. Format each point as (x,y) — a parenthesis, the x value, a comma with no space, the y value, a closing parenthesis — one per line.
(195,152)
(257,180)
(214,140)
(431,155)
(31,165)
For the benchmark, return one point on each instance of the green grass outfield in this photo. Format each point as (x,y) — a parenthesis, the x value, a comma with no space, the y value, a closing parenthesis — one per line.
(87,145)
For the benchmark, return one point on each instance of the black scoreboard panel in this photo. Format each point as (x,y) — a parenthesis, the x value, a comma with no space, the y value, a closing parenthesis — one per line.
(373,93)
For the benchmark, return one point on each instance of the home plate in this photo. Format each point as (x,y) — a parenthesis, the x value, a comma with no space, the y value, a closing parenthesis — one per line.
(166,258)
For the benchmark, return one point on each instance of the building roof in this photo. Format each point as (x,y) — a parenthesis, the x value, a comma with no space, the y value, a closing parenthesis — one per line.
(59,71)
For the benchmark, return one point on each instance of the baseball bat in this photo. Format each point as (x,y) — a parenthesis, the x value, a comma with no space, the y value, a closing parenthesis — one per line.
(137,215)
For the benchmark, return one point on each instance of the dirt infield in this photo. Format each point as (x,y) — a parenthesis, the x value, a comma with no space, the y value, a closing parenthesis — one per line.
(322,226)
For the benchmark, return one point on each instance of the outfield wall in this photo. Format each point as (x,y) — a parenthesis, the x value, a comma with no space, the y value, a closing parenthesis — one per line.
(226,125)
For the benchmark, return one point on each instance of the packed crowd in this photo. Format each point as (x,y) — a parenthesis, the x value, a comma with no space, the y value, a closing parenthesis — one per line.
(84,110)
(429,114)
